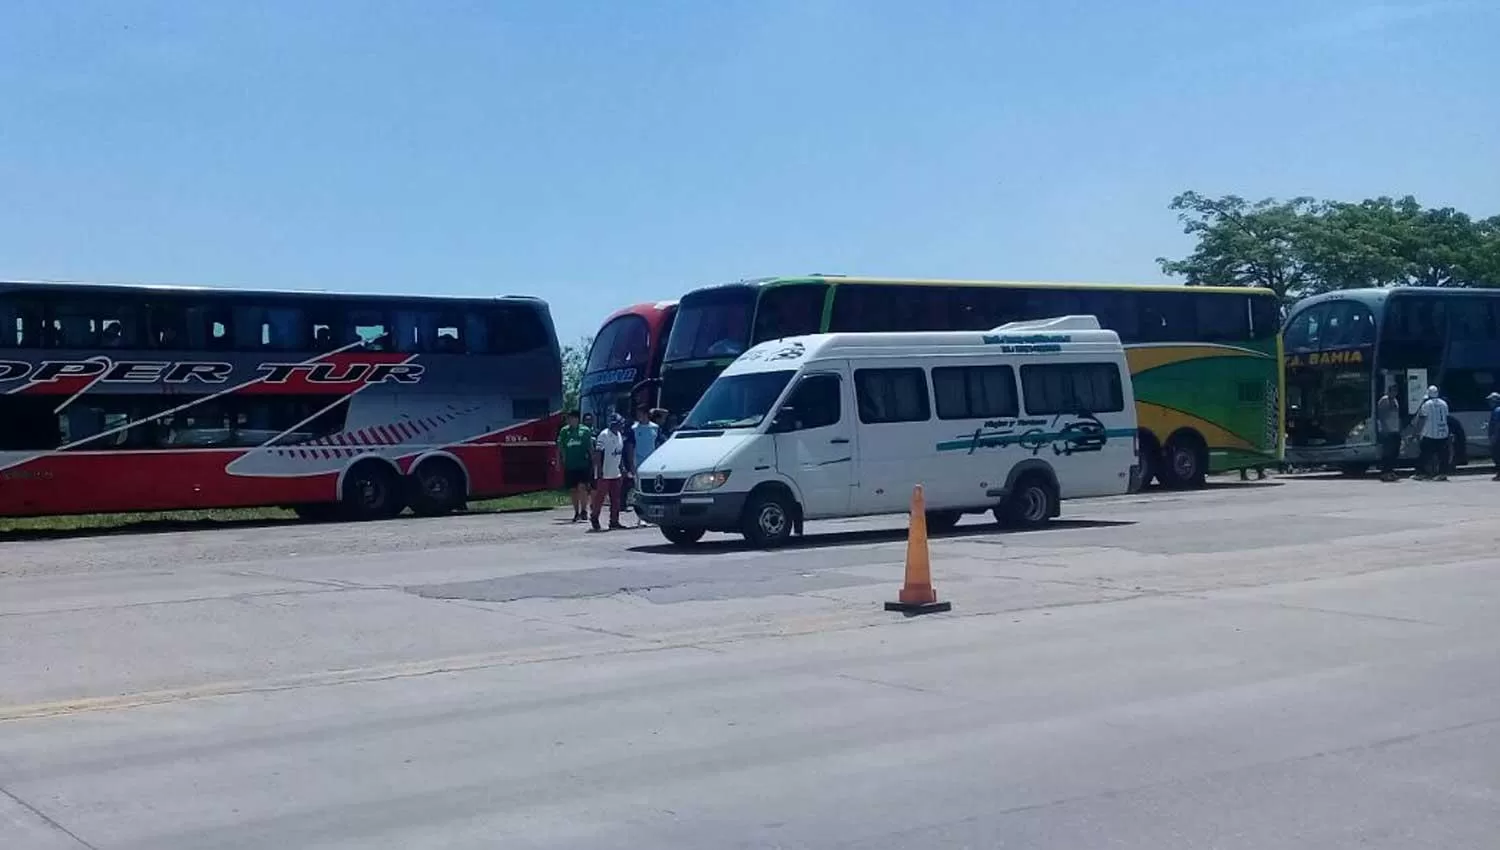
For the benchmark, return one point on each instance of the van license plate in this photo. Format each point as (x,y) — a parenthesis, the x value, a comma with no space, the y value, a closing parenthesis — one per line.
(654,511)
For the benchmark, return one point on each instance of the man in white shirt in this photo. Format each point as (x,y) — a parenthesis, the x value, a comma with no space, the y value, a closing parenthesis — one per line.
(609,460)
(1431,423)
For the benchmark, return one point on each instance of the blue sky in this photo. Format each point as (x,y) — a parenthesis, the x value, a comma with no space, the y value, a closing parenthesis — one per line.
(603,153)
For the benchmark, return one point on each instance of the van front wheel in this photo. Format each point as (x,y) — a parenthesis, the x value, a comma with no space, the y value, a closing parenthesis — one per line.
(679,536)
(768,520)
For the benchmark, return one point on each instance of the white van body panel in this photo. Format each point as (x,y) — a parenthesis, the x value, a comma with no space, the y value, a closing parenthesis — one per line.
(862,464)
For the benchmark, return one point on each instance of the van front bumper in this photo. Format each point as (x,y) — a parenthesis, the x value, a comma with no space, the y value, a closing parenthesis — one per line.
(710,511)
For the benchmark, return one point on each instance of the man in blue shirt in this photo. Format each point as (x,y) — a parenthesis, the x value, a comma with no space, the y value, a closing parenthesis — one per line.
(1494,431)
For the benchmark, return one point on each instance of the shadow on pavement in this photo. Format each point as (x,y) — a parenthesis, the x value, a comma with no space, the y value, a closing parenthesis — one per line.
(882,535)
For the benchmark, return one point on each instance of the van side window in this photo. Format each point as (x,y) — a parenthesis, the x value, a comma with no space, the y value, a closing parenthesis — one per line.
(974,392)
(1072,388)
(815,403)
(891,395)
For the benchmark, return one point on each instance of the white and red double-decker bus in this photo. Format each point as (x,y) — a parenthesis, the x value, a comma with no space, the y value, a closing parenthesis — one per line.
(623,371)
(130,398)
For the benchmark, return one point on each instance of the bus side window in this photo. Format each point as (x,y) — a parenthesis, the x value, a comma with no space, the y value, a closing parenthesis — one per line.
(789,310)
(166,325)
(1221,317)
(369,328)
(865,307)
(260,328)
(477,338)
(21,324)
(1166,317)
(448,335)
(515,329)
(1265,317)
(1116,311)
(208,328)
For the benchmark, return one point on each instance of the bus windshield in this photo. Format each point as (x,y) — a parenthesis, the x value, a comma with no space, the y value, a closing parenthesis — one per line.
(738,401)
(621,343)
(1328,405)
(712,323)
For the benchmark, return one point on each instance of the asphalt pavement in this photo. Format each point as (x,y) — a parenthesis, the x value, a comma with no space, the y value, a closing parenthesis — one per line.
(1307,662)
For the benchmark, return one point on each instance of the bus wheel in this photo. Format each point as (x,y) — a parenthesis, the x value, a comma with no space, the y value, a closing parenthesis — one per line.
(1031,503)
(769,519)
(939,522)
(1184,463)
(437,488)
(1149,456)
(371,492)
(681,536)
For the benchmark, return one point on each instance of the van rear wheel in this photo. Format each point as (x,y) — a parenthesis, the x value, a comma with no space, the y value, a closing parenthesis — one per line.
(1031,504)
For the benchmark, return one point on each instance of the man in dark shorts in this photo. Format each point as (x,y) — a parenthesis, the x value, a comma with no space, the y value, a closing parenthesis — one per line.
(575,448)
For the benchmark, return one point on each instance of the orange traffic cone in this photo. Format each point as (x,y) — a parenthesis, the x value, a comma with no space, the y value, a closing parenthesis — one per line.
(917,595)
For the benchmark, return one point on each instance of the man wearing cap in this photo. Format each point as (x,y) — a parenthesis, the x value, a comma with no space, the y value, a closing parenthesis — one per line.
(1431,423)
(1494,430)
(609,463)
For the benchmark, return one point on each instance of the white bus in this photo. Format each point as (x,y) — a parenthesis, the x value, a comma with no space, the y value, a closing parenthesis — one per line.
(1011,420)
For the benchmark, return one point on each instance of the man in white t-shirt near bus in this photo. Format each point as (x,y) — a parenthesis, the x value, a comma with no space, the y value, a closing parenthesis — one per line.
(609,462)
(1431,424)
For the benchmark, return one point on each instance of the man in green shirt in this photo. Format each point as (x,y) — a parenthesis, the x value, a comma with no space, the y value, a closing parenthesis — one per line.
(575,448)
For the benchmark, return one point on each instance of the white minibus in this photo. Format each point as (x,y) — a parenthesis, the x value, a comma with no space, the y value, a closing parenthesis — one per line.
(1012,420)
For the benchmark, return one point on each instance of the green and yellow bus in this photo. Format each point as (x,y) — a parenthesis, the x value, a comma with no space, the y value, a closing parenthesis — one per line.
(1206,361)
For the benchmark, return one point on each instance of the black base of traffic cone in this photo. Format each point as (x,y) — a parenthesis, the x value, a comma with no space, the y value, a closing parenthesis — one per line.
(913,609)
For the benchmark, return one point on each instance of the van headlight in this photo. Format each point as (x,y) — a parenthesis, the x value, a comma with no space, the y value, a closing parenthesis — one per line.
(705,481)
(1357,433)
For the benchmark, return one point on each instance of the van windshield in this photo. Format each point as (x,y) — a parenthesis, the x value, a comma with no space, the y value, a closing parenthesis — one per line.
(738,401)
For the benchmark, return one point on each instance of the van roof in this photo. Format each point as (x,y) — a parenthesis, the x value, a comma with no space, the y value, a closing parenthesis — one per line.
(1040,337)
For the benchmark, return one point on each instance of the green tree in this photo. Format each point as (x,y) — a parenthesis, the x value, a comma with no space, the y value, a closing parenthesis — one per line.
(574,359)
(1241,243)
(1304,246)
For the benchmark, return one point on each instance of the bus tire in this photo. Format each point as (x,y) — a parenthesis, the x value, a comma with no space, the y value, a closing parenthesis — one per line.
(371,491)
(939,522)
(1184,462)
(1031,503)
(770,516)
(679,536)
(1149,457)
(438,487)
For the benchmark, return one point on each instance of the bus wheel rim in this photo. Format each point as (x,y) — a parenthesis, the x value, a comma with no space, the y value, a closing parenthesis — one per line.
(1184,463)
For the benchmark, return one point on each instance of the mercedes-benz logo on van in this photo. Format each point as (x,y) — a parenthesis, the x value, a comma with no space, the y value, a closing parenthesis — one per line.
(661,483)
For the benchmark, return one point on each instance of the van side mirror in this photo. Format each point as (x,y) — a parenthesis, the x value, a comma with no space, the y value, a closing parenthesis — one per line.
(786,420)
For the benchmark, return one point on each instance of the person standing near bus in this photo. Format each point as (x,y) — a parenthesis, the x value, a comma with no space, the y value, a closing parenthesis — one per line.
(575,446)
(1494,431)
(1431,423)
(1388,432)
(659,419)
(609,463)
(644,433)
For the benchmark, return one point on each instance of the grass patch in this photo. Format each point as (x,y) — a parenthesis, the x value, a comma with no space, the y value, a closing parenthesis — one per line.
(81,525)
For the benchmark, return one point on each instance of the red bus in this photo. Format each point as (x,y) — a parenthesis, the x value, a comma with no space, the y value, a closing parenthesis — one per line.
(623,370)
(131,398)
